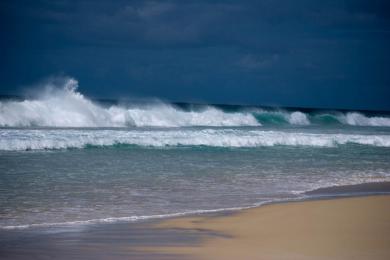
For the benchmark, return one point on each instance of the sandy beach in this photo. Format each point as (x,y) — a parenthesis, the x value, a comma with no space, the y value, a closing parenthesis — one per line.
(337,228)
(347,228)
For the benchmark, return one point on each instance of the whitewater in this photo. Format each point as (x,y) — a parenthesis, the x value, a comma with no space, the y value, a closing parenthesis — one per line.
(69,160)
(61,105)
(37,139)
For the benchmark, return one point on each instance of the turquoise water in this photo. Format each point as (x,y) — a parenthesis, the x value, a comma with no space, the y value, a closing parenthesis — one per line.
(66,160)
(128,182)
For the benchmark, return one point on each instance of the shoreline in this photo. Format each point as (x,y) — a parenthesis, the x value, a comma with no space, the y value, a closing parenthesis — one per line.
(322,193)
(166,238)
(343,228)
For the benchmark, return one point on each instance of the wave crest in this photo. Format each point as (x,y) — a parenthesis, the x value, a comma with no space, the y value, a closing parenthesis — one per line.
(299,118)
(63,106)
(354,118)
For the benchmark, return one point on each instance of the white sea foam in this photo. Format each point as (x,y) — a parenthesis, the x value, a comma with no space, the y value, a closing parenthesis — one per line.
(298,118)
(358,119)
(27,139)
(127,219)
(63,106)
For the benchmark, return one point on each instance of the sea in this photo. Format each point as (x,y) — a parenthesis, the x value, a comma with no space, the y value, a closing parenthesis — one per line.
(67,159)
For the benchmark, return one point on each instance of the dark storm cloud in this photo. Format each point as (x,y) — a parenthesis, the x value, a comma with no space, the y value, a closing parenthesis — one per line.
(309,53)
(187,23)
(124,24)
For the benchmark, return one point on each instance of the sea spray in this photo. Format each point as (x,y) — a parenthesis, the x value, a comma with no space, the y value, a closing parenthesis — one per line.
(60,104)
(63,106)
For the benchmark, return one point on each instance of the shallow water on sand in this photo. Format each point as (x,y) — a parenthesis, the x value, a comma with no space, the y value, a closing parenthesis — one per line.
(128,182)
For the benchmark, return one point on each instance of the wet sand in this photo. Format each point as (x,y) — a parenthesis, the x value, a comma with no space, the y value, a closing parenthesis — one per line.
(347,228)
(337,228)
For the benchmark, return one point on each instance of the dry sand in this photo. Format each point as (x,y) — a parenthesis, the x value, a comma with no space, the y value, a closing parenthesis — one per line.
(348,228)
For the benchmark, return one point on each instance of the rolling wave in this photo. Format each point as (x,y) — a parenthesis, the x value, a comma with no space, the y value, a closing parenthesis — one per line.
(265,117)
(65,107)
(15,140)
(281,117)
(61,105)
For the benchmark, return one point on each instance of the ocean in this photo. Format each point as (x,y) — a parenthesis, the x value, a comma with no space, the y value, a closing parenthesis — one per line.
(67,160)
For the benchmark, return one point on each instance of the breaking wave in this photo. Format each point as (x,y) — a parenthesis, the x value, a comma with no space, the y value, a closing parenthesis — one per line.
(281,117)
(61,105)
(265,117)
(65,107)
(15,140)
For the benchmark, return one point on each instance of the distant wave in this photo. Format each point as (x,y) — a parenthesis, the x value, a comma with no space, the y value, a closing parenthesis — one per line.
(362,120)
(61,105)
(267,117)
(14,140)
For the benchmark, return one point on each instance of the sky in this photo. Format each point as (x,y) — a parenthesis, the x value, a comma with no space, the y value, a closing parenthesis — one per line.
(329,54)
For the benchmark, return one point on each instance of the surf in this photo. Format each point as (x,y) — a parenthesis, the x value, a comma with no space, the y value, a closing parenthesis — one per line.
(43,139)
(60,104)
(63,106)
